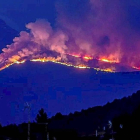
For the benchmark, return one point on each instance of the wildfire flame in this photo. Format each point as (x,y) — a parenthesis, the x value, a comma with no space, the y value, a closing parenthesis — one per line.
(88,57)
(80,66)
(109,61)
(50,59)
(8,65)
(20,62)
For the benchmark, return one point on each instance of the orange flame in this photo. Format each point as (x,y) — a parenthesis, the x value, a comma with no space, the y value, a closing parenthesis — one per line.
(6,66)
(88,57)
(108,60)
(74,55)
(56,61)
(20,62)
(82,64)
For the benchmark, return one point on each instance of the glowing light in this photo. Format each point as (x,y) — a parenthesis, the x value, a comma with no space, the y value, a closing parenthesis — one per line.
(88,57)
(74,55)
(44,59)
(105,70)
(138,68)
(82,63)
(82,67)
(109,61)
(20,62)
(105,60)
(55,61)
(6,66)
(109,70)
(58,60)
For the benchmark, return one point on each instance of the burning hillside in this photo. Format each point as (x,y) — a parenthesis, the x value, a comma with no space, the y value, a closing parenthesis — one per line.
(95,37)
(85,62)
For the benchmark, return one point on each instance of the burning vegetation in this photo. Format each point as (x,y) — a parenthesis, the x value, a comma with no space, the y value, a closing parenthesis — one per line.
(95,37)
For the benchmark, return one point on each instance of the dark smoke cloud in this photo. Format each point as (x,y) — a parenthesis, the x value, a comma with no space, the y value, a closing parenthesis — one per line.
(101,28)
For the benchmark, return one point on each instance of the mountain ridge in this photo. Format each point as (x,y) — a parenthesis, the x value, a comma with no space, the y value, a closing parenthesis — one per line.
(7,34)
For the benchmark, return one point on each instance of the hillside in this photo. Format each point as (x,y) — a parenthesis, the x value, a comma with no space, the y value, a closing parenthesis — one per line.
(59,88)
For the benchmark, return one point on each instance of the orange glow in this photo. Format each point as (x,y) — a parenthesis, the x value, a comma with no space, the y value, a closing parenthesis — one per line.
(20,62)
(84,57)
(59,61)
(88,57)
(82,67)
(112,70)
(6,66)
(109,70)
(105,60)
(74,55)
(56,61)
(138,68)
(108,60)
(81,64)
(44,59)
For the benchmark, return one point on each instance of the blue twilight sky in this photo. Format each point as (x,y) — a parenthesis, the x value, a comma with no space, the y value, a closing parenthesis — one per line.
(58,88)
(17,13)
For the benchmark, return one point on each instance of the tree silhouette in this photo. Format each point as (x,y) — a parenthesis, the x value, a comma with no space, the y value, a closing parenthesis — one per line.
(0,128)
(58,116)
(41,116)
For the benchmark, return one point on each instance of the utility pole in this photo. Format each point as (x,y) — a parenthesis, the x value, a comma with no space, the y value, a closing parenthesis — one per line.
(96,133)
(112,135)
(46,129)
(27,106)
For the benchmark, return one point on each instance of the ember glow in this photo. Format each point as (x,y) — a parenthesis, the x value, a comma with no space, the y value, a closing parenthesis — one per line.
(20,62)
(88,57)
(6,66)
(82,64)
(137,68)
(108,61)
(56,61)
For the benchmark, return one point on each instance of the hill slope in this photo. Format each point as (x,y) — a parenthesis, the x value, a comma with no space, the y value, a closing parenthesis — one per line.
(59,88)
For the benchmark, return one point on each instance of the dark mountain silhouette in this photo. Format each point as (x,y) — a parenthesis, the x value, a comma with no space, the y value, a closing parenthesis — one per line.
(6,34)
(123,111)
(87,121)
